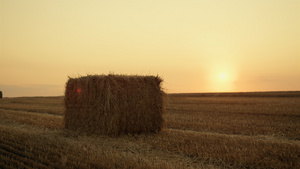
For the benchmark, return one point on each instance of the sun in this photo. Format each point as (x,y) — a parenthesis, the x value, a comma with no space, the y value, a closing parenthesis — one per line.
(223,76)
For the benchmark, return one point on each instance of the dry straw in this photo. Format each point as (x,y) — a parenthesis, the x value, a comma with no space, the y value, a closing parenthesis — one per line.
(114,104)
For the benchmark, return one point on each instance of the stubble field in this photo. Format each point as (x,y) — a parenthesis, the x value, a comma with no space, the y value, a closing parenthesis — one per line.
(231,130)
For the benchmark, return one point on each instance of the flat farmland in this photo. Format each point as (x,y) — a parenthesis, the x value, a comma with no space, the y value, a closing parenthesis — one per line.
(219,130)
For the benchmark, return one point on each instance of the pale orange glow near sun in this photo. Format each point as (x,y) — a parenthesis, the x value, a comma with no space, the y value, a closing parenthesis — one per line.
(223,76)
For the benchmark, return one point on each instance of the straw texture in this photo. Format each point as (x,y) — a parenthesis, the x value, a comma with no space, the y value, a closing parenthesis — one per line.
(114,104)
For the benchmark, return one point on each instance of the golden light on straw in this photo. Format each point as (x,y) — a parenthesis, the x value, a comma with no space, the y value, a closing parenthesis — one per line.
(114,104)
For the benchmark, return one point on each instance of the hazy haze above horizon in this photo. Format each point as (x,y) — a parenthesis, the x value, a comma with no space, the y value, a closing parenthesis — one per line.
(194,45)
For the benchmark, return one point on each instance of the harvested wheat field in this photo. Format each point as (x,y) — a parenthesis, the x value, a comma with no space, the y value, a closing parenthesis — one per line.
(225,130)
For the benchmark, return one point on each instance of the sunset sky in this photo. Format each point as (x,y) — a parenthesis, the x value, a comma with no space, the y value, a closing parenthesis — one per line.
(194,45)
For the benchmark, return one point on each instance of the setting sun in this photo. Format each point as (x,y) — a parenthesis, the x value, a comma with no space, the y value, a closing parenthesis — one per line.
(223,76)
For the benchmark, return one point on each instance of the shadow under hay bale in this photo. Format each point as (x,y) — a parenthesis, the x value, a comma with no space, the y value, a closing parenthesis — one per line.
(114,104)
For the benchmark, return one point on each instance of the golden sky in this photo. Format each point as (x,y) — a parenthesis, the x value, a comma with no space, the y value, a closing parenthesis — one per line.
(195,45)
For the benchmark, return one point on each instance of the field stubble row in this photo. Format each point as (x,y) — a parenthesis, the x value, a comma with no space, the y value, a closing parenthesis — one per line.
(278,117)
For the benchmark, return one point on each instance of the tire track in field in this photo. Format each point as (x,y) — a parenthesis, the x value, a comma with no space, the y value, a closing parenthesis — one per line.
(266,138)
(33,110)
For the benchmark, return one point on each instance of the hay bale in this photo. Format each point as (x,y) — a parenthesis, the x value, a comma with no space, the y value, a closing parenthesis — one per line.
(114,104)
(0,94)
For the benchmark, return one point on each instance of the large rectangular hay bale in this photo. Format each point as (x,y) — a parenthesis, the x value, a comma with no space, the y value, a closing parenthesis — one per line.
(114,104)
